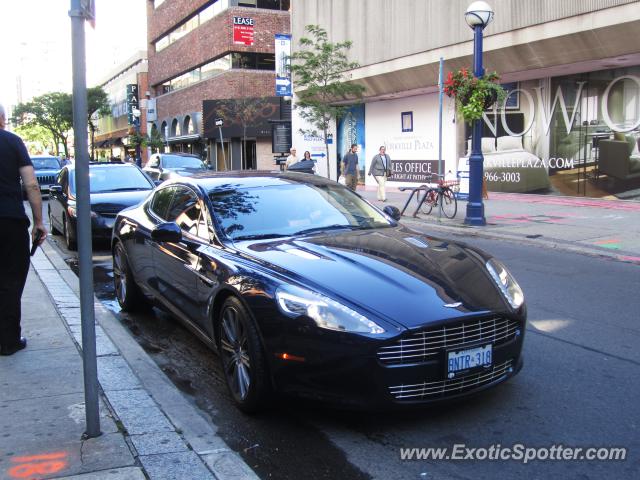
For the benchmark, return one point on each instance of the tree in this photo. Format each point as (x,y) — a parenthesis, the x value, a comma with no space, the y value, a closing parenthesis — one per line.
(52,111)
(37,138)
(319,69)
(98,106)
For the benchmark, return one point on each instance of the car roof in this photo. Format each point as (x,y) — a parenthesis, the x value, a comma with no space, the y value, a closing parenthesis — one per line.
(179,154)
(103,165)
(231,180)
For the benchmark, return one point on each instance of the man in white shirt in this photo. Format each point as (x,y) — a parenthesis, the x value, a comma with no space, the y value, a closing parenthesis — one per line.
(292,158)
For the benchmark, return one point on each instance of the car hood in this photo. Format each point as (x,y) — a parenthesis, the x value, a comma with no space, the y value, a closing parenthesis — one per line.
(113,202)
(395,272)
(46,171)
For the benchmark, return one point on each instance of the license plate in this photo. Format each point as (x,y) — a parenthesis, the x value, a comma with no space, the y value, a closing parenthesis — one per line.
(465,360)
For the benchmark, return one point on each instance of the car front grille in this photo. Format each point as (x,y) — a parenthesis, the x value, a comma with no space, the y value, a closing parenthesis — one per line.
(448,387)
(427,344)
(46,179)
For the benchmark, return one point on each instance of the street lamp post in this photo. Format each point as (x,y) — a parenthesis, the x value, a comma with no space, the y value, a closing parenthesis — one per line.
(136,123)
(478,16)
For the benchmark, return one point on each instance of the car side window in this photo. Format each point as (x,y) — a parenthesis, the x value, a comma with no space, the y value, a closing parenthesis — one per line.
(161,201)
(186,210)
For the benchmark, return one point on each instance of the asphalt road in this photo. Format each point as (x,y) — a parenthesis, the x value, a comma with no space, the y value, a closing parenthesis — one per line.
(579,387)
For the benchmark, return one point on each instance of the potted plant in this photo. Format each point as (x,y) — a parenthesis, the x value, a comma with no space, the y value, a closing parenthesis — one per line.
(473,95)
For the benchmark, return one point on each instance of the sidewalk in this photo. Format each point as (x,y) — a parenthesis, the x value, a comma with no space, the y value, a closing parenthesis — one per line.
(149,430)
(606,228)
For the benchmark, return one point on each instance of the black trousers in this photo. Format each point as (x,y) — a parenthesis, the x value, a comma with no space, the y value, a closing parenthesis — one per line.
(14,267)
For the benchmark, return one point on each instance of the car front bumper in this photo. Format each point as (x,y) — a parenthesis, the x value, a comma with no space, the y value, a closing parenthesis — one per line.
(349,370)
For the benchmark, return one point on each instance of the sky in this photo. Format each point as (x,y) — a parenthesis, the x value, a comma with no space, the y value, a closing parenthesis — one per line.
(36,48)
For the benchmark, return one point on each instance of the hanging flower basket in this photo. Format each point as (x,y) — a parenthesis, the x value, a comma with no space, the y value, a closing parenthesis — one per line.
(473,95)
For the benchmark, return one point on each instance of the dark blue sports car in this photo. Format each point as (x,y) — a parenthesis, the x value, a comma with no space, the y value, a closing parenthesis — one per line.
(304,287)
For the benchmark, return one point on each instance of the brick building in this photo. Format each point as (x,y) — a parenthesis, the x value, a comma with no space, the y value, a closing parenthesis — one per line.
(215,59)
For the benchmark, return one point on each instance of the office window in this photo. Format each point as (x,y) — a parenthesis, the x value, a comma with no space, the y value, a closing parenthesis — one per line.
(407,121)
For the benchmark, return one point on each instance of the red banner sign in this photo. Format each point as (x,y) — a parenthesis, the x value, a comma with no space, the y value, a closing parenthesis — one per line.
(243,30)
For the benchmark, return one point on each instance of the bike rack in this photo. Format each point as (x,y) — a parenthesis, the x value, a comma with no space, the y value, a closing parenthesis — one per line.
(414,191)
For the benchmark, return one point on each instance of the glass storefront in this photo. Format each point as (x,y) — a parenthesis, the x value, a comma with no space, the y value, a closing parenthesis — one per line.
(572,135)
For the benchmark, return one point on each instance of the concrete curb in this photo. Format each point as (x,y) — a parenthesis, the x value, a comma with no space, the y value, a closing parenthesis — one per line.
(170,436)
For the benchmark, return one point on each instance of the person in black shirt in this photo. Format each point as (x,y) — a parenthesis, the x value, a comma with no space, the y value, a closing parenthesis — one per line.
(15,164)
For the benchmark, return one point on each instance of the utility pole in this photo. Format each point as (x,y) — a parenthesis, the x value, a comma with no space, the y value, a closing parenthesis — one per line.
(82,10)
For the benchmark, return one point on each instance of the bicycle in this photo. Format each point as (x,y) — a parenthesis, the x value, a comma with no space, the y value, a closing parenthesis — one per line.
(443,195)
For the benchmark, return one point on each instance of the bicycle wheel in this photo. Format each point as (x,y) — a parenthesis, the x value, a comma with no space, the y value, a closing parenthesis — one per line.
(448,203)
(429,201)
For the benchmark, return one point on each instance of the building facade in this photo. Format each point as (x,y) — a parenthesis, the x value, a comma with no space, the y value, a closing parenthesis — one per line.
(127,89)
(570,124)
(214,60)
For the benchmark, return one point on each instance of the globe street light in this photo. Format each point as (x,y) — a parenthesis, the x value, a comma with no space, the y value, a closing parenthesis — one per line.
(478,16)
(136,123)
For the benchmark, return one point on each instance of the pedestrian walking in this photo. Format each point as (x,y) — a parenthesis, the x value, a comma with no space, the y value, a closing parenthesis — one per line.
(15,164)
(350,167)
(380,168)
(292,158)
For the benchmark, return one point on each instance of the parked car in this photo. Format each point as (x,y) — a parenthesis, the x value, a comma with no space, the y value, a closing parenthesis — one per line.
(46,169)
(112,188)
(162,166)
(304,287)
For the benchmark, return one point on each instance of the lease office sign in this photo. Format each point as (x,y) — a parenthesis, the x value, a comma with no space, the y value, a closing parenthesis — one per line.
(243,30)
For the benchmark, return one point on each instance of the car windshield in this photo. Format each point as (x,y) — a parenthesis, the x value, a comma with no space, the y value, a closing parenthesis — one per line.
(291,209)
(178,161)
(114,179)
(49,163)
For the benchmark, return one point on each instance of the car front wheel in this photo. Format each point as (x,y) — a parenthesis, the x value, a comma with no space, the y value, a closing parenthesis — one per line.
(129,296)
(68,236)
(54,230)
(242,357)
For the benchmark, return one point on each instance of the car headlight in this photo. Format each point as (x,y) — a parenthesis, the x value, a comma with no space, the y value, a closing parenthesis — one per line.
(327,313)
(506,283)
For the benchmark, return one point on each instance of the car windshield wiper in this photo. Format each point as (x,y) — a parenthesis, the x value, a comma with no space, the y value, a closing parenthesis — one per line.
(326,227)
(124,189)
(260,236)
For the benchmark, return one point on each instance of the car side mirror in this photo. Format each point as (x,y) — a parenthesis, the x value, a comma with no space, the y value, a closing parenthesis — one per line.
(158,182)
(167,232)
(392,211)
(57,188)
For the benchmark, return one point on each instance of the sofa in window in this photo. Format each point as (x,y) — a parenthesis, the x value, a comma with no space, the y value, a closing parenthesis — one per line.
(620,159)
(508,167)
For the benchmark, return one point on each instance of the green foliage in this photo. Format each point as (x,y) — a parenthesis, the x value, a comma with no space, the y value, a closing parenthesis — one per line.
(37,138)
(473,95)
(97,105)
(319,76)
(154,140)
(52,111)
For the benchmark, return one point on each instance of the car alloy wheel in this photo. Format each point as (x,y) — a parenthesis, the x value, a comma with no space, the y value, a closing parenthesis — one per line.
(242,357)
(71,242)
(129,296)
(54,230)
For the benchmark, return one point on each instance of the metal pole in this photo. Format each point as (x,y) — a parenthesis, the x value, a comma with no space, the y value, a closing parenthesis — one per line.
(138,157)
(224,157)
(440,128)
(85,261)
(475,207)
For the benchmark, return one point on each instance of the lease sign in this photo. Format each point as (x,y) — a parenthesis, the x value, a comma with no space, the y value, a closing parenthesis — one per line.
(243,30)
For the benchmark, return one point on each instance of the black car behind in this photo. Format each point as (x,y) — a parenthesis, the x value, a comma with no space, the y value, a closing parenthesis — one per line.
(112,188)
